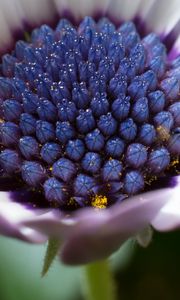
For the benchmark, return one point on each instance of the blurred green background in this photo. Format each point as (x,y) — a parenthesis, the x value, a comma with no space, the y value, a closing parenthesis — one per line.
(140,274)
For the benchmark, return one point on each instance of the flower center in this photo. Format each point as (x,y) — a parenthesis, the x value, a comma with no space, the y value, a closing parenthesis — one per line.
(89,115)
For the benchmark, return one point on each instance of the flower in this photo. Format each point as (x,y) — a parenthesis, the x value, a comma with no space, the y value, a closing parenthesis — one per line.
(89,117)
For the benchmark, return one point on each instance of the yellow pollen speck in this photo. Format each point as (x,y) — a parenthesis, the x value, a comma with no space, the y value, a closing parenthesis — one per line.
(99,201)
(50,168)
(1,120)
(151,180)
(27,36)
(71,201)
(163,133)
(175,164)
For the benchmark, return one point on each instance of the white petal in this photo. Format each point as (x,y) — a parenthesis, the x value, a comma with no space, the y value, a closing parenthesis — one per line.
(67,6)
(11,17)
(144,7)
(5,35)
(15,13)
(83,8)
(168,217)
(124,10)
(160,16)
(12,12)
(38,11)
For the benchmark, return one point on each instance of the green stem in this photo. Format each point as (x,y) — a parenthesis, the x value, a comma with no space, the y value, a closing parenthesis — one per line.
(98,281)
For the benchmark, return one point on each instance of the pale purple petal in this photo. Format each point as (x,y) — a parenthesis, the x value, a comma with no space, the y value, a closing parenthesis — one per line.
(168,217)
(123,221)
(11,217)
(94,234)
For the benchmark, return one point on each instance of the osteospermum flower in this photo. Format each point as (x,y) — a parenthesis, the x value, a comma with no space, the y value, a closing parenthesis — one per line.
(90,124)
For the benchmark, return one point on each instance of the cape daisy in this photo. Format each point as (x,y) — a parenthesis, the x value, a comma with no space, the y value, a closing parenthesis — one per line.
(90,127)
